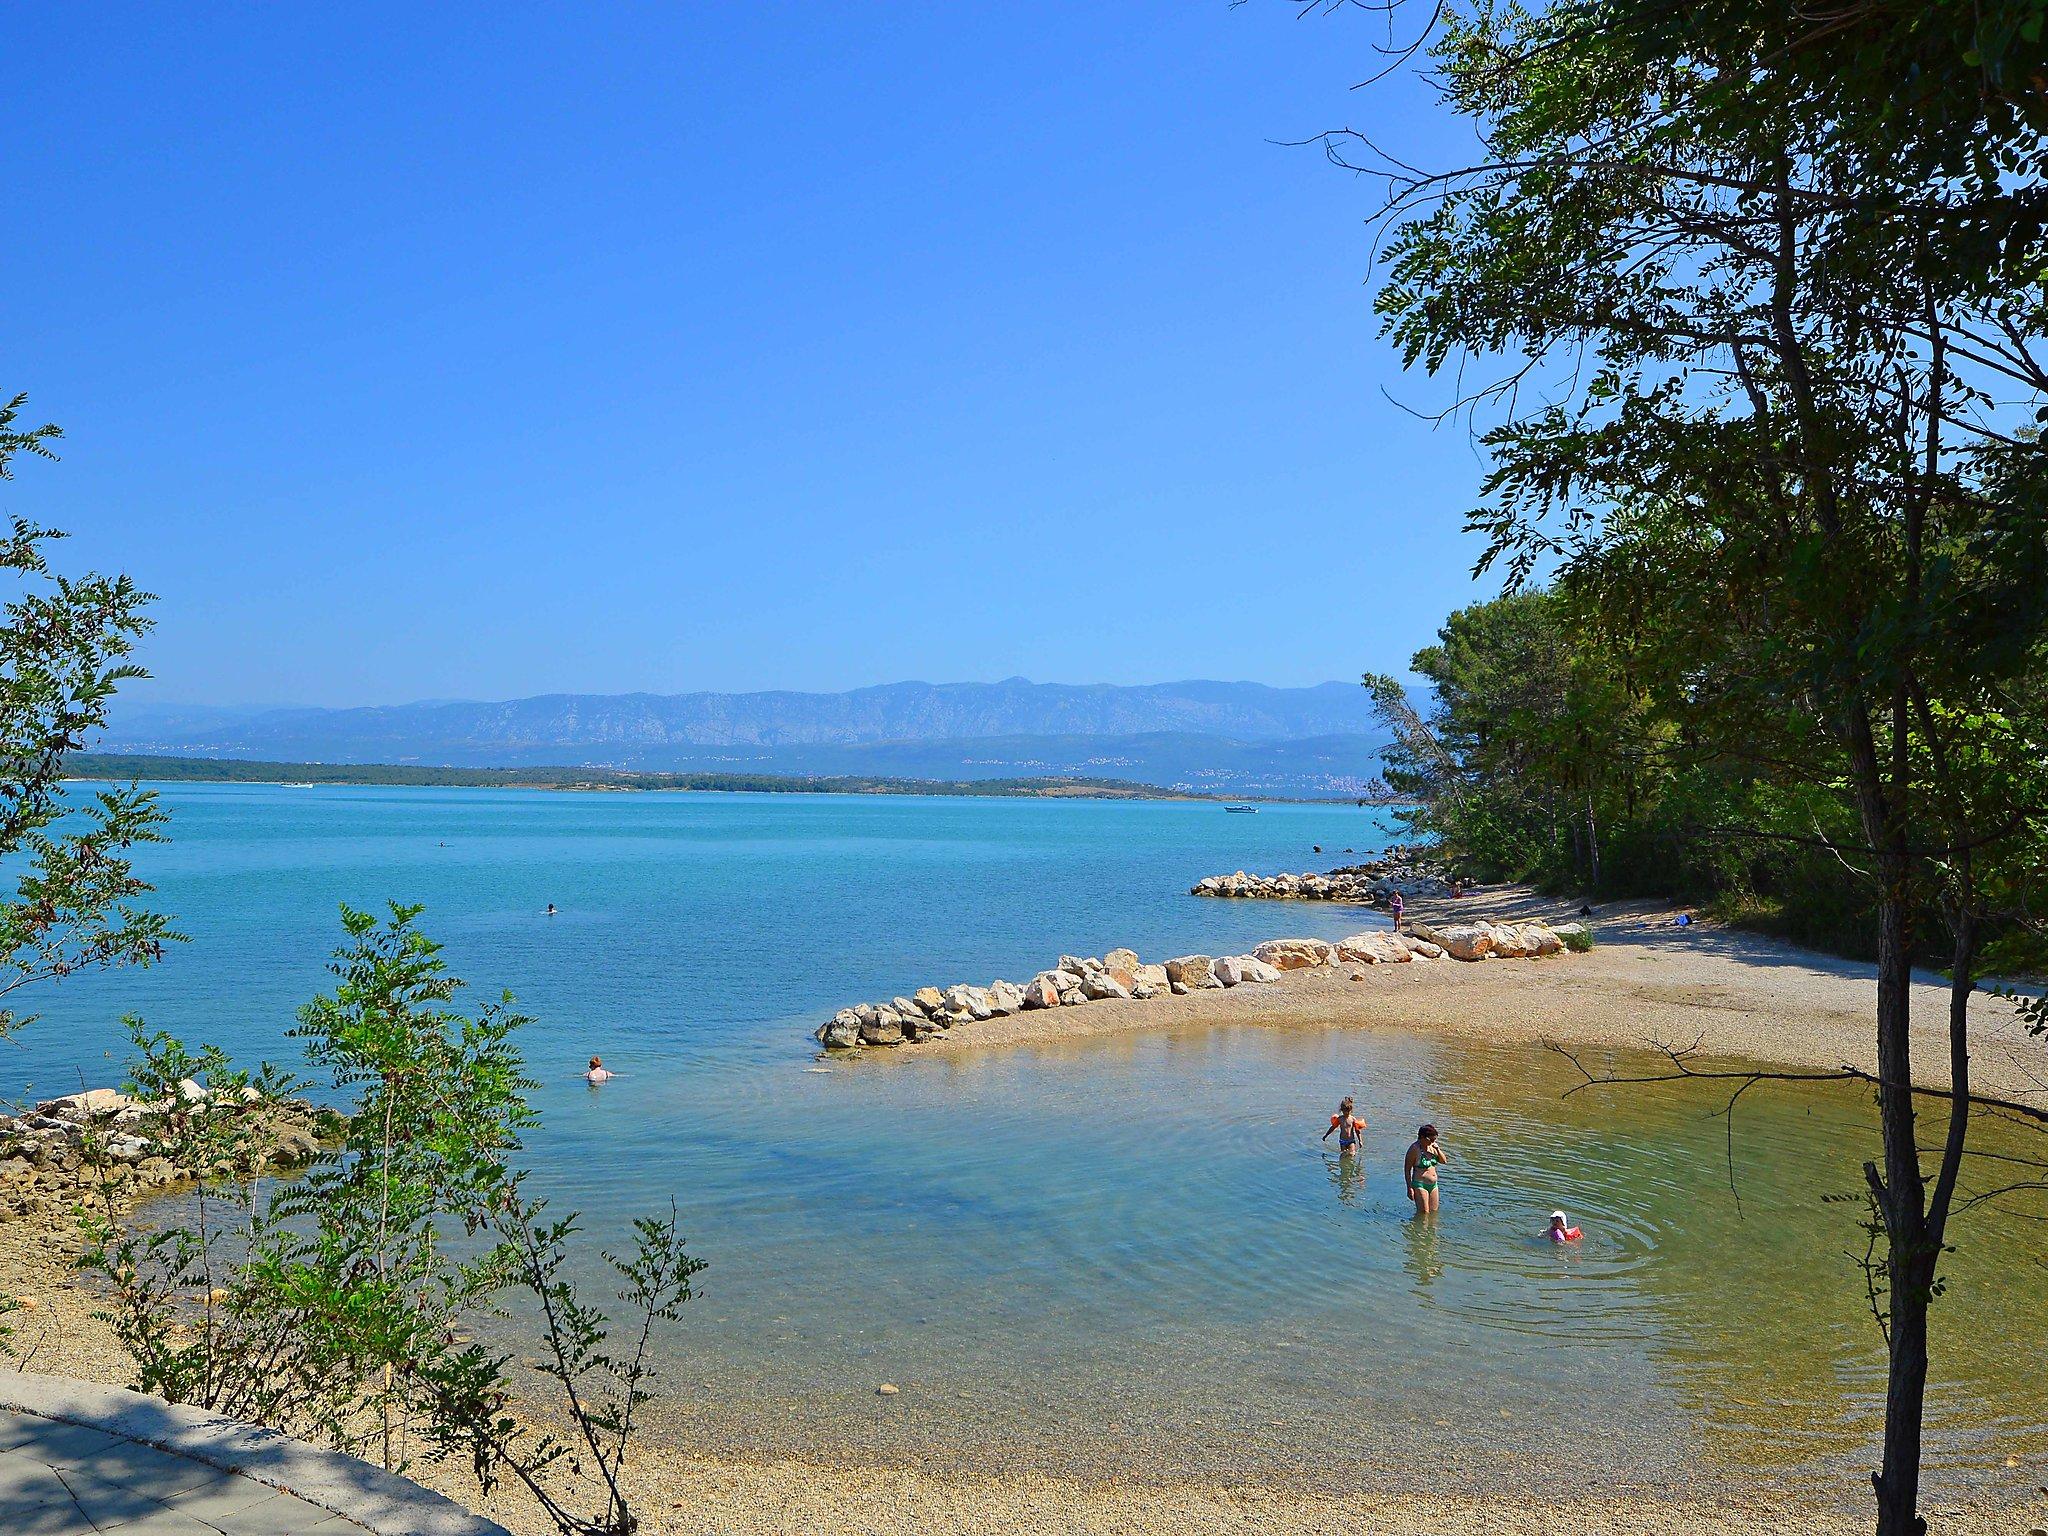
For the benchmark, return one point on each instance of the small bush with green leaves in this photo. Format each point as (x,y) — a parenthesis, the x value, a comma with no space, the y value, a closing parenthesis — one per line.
(343,1305)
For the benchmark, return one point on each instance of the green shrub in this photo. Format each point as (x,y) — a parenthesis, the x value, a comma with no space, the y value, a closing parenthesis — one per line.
(344,1304)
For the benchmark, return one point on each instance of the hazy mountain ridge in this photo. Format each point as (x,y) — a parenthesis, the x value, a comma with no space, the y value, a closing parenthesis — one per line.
(1227,737)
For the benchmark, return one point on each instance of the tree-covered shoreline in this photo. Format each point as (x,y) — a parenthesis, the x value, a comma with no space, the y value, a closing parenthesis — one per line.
(120,767)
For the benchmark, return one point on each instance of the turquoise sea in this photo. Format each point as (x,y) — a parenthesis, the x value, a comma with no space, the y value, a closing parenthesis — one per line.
(1125,1257)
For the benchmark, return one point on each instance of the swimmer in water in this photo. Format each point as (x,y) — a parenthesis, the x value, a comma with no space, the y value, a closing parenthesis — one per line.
(599,1072)
(1350,1129)
(550,911)
(1420,1166)
(1561,1231)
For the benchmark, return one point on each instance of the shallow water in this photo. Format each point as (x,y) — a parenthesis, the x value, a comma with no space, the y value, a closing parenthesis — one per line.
(1126,1256)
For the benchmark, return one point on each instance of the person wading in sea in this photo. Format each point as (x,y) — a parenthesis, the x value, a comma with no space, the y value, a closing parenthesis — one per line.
(1350,1129)
(1425,1156)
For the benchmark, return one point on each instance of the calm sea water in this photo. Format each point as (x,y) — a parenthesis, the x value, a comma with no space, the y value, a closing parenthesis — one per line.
(1128,1257)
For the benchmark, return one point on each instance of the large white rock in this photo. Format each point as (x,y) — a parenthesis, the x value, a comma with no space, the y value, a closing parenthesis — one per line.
(1040,993)
(1294,954)
(971,1000)
(1508,942)
(1464,941)
(1153,976)
(1234,970)
(1101,986)
(1071,995)
(1005,997)
(1079,965)
(90,1104)
(929,999)
(1121,960)
(1374,949)
(1194,973)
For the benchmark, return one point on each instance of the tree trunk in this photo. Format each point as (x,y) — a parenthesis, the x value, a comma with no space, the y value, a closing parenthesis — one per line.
(1900,1192)
(1901,1199)
(1592,844)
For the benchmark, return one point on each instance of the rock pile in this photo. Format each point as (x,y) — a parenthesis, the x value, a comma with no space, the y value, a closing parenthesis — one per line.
(1371,883)
(48,1160)
(1118,975)
(1498,941)
(1073,981)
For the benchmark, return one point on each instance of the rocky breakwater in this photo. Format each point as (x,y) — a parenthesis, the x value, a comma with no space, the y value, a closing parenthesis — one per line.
(1119,975)
(1073,982)
(56,1154)
(1370,883)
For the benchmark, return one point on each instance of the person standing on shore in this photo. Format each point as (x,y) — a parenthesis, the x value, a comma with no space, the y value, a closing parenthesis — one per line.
(1349,1126)
(1425,1156)
(1396,906)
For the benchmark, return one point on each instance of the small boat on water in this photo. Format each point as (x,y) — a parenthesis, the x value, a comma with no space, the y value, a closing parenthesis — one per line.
(1242,810)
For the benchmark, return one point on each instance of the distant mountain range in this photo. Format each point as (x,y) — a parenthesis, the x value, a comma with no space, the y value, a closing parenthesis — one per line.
(1229,738)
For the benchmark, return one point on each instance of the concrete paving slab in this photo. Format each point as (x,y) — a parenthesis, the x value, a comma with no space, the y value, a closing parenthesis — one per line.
(78,1458)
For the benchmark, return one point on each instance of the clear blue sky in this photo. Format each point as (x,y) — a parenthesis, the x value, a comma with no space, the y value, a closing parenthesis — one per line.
(482,351)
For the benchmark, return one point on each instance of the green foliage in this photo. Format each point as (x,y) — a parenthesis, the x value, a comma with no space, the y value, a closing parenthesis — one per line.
(63,648)
(1536,740)
(343,1305)
(1578,940)
(1765,294)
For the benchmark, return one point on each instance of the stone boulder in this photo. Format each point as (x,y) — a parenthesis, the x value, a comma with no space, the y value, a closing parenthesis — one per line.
(1121,960)
(89,1105)
(973,1001)
(1374,949)
(917,1027)
(929,1000)
(1235,970)
(1004,997)
(1150,981)
(1102,986)
(1192,973)
(841,1032)
(1509,942)
(908,1008)
(1071,995)
(1422,949)
(1040,993)
(1464,941)
(1076,965)
(879,1026)
(1294,954)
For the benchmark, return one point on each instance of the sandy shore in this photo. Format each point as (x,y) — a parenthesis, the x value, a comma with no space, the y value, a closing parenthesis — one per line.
(1646,982)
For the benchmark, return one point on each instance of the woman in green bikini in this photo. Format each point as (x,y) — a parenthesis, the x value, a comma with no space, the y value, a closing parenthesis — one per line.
(1424,1158)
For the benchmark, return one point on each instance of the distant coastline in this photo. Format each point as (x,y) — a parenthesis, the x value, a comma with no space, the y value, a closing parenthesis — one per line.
(126,767)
